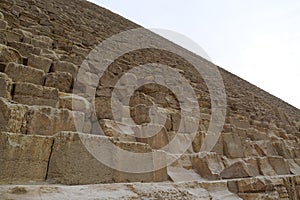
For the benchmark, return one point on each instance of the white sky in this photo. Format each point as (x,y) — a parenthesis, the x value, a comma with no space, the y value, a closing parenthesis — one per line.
(258,40)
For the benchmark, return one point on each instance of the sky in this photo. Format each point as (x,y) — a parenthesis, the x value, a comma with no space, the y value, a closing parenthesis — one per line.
(257,40)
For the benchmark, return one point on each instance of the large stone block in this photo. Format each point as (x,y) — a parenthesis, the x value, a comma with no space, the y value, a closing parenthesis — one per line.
(208,165)
(30,94)
(60,80)
(22,73)
(23,158)
(8,54)
(39,62)
(71,163)
(5,86)
(25,49)
(12,116)
(239,169)
(63,66)
(42,120)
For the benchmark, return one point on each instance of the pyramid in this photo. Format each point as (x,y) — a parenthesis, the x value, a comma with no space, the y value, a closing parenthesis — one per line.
(93,106)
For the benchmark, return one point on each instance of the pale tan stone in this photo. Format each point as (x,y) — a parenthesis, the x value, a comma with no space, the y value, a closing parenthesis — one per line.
(71,163)
(23,158)
(233,147)
(39,62)
(59,80)
(22,73)
(208,165)
(12,116)
(239,170)
(30,94)
(8,54)
(48,121)
(5,86)
(279,165)
(63,66)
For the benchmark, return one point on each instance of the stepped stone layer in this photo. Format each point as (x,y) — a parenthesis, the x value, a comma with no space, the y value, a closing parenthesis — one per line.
(42,47)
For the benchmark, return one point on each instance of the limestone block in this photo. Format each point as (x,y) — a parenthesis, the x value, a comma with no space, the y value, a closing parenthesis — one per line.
(30,94)
(208,165)
(279,165)
(44,120)
(25,49)
(11,36)
(71,163)
(3,24)
(5,86)
(67,100)
(22,73)
(8,54)
(239,123)
(39,62)
(254,185)
(157,141)
(63,66)
(59,80)
(23,158)
(239,170)
(233,147)
(265,167)
(42,41)
(12,116)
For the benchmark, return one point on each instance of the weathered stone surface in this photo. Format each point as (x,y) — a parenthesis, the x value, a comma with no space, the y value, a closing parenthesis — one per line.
(208,165)
(71,163)
(48,121)
(233,147)
(12,116)
(3,24)
(25,49)
(63,66)
(39,62)
(59,80)
(239,170)
(23,158)
(8,54)
(22,73)
(30,94)
(5,86)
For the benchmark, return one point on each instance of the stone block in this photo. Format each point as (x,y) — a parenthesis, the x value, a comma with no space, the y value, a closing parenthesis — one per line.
(23,158)
(3,24)
(71,163)
(8,54)
(5,86)
(42,120)
(22,73)
(30,94)
(239,169)
(39,62)
(25,49)
(12,116)
(232,145)
(208,165)
(63,66)
(60,80)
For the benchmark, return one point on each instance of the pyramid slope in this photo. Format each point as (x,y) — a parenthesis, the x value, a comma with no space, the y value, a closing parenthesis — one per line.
(42,47)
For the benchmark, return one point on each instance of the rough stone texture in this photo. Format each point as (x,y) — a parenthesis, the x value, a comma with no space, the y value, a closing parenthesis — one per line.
(22,73)
(5,86)
(71,162)
(59,80)
(23,158)
(12,116)
(48,121)
(30,94)
(39,62)
(8,54)
(260,135)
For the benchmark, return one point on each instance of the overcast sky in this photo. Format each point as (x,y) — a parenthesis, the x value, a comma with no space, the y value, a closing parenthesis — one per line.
(256,40)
